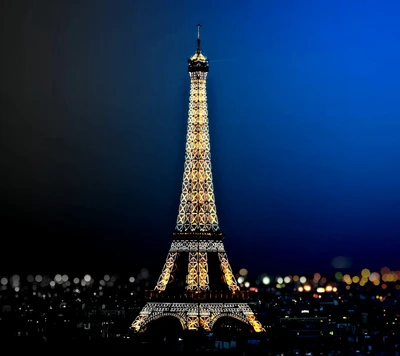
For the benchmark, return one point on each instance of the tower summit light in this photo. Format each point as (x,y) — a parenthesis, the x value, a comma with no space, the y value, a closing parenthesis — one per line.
(197,275)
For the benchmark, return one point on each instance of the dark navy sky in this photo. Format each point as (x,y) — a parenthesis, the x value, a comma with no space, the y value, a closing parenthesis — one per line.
(304,121)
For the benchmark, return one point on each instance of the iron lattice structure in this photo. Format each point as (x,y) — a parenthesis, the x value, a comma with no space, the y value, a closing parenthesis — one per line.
(197,284)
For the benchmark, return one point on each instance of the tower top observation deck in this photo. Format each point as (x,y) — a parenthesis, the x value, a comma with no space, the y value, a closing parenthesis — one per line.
(198,62)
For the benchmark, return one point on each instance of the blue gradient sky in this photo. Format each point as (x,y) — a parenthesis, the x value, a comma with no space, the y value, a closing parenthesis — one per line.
(304,122)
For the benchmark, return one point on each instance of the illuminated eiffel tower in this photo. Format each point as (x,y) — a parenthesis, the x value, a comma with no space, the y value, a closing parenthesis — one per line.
(197,284)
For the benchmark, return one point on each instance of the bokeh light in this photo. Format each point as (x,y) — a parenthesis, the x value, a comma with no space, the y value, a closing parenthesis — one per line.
(243,272)
(338,275)
(266,280)
(365,273)
(287,279)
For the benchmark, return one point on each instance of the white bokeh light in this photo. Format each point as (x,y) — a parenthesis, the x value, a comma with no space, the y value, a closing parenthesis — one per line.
(266,280)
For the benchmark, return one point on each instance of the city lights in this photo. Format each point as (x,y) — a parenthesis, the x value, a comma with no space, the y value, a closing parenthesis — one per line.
(336,293)
(266,280)
(303,279)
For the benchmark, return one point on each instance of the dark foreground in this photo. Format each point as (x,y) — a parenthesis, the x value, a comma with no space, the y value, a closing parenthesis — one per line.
(94,315)
(191,346)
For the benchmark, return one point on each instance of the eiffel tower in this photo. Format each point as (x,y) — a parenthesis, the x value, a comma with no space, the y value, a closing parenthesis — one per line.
(197,284)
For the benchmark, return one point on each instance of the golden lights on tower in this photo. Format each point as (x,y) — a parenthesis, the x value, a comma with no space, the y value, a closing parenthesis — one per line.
(197,231)
(197,210)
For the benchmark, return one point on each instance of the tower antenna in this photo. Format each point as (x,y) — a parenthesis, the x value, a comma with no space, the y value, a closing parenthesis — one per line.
(198,38)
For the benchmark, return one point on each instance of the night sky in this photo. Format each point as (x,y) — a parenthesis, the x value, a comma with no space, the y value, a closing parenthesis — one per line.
(304,122)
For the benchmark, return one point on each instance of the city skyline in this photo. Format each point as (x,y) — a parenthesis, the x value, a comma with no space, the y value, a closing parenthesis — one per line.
(303,123)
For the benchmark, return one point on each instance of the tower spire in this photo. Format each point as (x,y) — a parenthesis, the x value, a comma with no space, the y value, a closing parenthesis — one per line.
(198,62)
(198,38)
